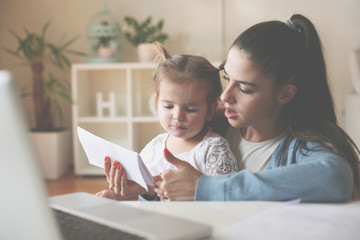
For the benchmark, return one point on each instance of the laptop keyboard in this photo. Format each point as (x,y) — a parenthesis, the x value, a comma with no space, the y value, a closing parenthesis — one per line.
(76,228)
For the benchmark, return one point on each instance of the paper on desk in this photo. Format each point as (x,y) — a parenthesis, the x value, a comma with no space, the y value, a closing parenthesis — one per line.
(299,222)
(97,148)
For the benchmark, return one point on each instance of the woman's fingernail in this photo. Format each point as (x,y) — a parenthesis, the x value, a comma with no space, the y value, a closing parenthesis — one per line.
(118,167)
(106,158)
(114,163)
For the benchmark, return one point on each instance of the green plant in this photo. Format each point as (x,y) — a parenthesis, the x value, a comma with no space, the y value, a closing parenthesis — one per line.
(144,32)
(36,51)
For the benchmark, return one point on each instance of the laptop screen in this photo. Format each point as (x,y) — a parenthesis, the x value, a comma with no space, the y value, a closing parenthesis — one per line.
(24,209)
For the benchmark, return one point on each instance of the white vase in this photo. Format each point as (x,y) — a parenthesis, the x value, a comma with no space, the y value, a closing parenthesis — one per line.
(146,52)
(54,152)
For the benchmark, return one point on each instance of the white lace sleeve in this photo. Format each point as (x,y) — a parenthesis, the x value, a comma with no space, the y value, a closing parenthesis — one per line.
(220,159)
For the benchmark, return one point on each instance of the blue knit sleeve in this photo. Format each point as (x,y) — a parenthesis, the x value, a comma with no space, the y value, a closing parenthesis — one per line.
(317,176)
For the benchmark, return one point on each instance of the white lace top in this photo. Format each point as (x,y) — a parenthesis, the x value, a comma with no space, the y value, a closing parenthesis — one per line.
(212,156)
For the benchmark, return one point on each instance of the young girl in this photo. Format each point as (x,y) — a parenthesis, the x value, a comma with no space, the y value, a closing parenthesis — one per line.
(187,89)
(277,99)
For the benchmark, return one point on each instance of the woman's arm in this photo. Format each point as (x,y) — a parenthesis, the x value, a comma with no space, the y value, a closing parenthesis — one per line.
(320,176)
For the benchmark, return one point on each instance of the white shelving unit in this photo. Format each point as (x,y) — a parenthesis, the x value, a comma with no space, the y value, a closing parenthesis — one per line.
(134,123)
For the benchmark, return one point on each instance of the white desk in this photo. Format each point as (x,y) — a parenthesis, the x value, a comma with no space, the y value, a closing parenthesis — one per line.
(217,214)
(268,220)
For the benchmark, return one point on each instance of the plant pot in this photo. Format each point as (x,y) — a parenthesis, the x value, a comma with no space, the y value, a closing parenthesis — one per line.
(54,152)
(146,52)
(106,52)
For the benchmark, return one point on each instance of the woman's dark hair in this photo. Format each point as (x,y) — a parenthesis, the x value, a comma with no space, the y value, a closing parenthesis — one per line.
(181,69)
(291,52)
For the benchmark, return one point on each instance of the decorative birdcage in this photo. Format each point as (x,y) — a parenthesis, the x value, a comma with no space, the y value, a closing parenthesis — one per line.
(104,38)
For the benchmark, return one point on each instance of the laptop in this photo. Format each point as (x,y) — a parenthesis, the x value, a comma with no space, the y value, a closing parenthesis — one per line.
(26,212)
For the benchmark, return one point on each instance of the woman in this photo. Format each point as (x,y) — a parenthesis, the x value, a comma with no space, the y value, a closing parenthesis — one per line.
(284,129)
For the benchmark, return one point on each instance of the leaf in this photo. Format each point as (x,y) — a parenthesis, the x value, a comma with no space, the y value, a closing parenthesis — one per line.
(43,32)
(68,43)
(18,38)
(65,60)
(11,52)
(54,55)
(74,52)
(160,24)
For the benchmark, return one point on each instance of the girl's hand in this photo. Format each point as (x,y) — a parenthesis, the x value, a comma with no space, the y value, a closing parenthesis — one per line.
(157,182)
(119,187)
(180,184)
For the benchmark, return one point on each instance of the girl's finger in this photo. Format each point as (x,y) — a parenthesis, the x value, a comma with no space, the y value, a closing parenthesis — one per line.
(157,181)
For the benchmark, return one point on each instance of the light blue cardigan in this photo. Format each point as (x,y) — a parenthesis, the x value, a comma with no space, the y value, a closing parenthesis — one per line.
(317,176)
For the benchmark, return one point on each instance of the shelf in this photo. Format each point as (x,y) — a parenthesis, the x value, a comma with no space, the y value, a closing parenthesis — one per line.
(102,119)
(133,121)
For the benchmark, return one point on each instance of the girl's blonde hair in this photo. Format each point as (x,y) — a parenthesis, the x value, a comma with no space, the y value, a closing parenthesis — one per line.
(180,69)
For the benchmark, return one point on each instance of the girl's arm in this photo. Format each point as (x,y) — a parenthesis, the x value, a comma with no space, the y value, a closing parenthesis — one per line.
(219,158)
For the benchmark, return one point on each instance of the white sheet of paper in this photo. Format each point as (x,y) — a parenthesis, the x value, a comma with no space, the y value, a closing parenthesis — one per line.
(298,222)
(97,148)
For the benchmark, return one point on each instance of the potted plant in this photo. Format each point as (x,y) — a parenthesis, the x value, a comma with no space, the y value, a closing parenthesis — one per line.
(36,51)
(143,33)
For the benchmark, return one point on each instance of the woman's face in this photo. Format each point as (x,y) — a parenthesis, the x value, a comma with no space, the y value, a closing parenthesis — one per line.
(249,97)
(183,109)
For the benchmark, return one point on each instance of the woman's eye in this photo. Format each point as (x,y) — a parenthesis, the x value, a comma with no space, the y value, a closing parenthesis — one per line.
(239,85)
(226,78)
(245,91)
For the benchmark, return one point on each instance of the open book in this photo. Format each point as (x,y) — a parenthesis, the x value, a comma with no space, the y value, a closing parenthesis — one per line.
(97,148)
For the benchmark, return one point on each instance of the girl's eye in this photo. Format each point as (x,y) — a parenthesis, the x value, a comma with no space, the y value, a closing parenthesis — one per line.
(168,106)
(190,110)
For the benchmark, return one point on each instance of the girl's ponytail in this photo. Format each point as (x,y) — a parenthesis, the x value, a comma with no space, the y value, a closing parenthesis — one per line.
(162,53)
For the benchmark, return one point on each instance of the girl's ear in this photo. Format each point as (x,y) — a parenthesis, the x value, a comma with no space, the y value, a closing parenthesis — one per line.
(287,93)
(211,111)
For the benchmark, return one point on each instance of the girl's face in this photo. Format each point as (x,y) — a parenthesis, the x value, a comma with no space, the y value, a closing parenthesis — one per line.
(250,98)
(183,108)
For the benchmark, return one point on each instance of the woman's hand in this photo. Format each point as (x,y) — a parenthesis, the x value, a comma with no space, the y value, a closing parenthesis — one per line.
(180,184)
(119,187)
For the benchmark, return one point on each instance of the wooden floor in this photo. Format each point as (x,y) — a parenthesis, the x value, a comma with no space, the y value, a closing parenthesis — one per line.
(71,183)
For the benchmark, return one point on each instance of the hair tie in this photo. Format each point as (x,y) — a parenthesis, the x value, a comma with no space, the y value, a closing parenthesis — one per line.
(291,25)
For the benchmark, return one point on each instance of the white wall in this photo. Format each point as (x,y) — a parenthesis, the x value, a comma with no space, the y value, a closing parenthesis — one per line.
(194,27)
